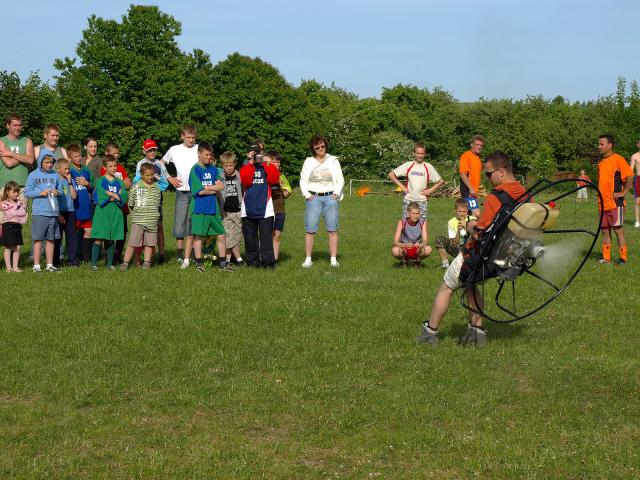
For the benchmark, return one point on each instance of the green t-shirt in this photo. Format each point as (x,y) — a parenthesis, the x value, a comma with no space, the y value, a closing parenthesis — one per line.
(19,173)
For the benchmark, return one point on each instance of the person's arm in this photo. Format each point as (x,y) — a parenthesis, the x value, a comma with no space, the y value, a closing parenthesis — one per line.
(272,173)
(464,177)
(285,186)
(125,177)
(396,236)
(12,159)
(304,180)
(429,191)
(217,186)
(394,178)
(627,174)
(338,179)
(425,235)
(246,176)
(123,195)
(72,189)
(176,182)
(131,201)
(7,156)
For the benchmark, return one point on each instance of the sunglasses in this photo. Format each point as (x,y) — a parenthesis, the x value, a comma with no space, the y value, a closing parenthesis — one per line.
(491,173)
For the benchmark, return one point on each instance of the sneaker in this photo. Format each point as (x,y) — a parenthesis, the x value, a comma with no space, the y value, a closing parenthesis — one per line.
(307,264)
(52,269)
(621,263)
(334,263)
(428,336)
(240,263)
(602,261)
(112,268)
(124,267)
(17,270)
(200,268)
(444,266)
(146,266)
(403,265)
(227,268)
(94,268)
(161,259)
(476,337)
(180,260)
(636,225)
(37,269)
(185,265)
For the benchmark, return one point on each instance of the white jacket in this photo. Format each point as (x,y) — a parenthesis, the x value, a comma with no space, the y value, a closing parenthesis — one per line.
(321,177)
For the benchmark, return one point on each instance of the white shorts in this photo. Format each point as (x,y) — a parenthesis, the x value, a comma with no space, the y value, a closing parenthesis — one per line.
(452,275)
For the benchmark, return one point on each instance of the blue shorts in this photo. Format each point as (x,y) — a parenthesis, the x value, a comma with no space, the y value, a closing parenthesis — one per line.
(472,203)
(278,222)
(44,228)
(316,207)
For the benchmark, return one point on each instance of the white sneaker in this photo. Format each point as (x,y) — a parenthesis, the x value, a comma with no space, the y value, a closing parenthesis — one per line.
(36,269)
(185,265)
(307,263)
(334,263)
(637,224)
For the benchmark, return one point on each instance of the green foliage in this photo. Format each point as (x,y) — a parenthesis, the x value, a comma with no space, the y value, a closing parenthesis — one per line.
(130,81)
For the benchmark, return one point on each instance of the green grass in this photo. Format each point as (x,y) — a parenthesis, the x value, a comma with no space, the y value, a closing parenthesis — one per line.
(313,373)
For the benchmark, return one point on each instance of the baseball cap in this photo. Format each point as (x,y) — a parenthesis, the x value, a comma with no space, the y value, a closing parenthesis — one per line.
(149,144)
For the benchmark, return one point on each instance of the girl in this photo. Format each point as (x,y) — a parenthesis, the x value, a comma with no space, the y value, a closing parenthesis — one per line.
(15,215)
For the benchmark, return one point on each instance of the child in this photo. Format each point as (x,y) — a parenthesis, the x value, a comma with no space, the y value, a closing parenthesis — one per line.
(144,201)
(257,211)
(231,199)
(410,239)
(43,187)
(114,150)
(82,182)
(108,220)
(15,215)
(418,173)
(67,215)
(205,220)
(457,233)
(583,192)
(279,193)
(160,174)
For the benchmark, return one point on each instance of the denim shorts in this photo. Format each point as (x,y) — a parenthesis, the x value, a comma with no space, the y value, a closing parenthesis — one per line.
(316,207)
(44,228)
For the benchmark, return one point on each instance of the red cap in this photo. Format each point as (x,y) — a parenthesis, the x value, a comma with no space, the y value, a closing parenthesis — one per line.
(149,144)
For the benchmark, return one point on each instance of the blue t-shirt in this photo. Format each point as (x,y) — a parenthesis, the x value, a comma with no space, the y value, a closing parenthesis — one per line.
(198,179)
(65,202)
(82,203)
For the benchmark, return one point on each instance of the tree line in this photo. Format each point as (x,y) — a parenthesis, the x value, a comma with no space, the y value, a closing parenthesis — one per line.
(130,81)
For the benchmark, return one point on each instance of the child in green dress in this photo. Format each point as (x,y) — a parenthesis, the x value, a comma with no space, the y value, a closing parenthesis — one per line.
(108,221)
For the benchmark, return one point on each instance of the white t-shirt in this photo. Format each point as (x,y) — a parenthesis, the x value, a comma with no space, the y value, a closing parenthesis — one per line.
(418,176)
(184,159)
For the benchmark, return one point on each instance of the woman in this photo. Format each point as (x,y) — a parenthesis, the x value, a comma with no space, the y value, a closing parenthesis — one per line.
(321,183)
(92,160)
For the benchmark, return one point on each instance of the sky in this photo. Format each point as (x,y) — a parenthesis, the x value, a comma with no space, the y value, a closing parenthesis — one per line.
(471,48)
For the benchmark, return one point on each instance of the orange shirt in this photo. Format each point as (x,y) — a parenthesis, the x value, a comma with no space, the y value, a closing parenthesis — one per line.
(612,172)
(492,204)
(471,164)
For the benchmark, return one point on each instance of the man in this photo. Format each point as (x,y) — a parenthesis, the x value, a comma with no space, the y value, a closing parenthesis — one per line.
(184,157)
(615,179)
(16,155)
(50,146)
(470,169)
(498,169)
(635,166)
(418,175)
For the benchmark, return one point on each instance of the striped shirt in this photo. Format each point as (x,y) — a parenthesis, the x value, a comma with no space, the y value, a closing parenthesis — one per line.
(144,200)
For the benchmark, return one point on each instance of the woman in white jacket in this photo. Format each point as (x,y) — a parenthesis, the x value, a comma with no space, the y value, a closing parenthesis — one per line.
(321,183)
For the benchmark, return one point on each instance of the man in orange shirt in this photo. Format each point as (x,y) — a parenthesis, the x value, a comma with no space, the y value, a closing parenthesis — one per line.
(615,179)
(470,173)
(499,171)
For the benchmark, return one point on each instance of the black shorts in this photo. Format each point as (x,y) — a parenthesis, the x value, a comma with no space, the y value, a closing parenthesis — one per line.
(11,235)
(278,222)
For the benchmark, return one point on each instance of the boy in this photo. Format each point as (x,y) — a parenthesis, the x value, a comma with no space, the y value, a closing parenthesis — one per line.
(183,157)
(43,187)
(113,149)
(231,199)
(83,204)
(144,200)
(279,193)
(498,169)
(410,239)
(457,233)
(108,220)
(257,211)
(150,150)
(205,219)
(418,174)
(66,216)
(583,192)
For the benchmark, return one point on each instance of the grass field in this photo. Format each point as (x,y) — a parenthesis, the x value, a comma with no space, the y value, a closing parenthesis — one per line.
(309,374)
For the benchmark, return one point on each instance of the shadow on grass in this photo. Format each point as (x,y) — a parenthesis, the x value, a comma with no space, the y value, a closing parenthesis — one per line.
(496,330)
